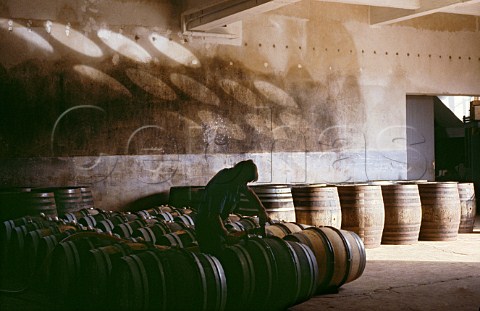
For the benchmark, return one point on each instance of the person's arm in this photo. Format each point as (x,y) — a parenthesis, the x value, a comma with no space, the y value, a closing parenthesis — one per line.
(253,199)
(221,226)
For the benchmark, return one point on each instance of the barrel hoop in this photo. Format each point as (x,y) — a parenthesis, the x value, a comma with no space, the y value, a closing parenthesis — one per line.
(329,254)
(222,281)
(363,254)
(246,262)
(263,248)
(305,253)
(161,279)
(201,274)
(348,249)
(298,270)
(102,263)
(280,209)
(174,240)
(140,289)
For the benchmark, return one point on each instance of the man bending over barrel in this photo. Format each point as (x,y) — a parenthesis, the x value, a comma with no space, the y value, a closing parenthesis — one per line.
(222,194)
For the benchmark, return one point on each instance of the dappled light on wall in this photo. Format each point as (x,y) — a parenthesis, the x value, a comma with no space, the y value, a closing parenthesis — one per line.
(124,46)
(74,40)
(275,94)
(102,78)
(26,34)
(194,89)
(220,129)
(151,84)
(239,92)
(174,51)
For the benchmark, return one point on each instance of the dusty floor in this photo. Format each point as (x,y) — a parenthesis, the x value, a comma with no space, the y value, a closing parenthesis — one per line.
(424,276)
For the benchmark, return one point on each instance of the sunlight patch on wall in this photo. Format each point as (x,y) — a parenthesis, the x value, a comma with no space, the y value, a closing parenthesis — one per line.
(26,34)
(174,51)
(74,40)
(124,46)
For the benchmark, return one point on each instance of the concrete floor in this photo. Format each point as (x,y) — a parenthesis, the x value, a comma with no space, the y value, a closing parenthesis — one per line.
(424,276)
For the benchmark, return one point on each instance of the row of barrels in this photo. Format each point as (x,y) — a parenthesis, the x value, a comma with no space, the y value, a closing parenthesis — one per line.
(105,271)
(52,202)
(394,213)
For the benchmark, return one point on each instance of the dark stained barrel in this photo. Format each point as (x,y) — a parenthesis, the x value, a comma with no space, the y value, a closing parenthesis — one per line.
(466,192)
(440,211)
(403,213)
(87,197)
(317,206)
(152,232)
(67,199)
(340,255)
(181,239)
(268,274)
(168,280)
(37,202)
(363,212)
(278,201)
(245,224)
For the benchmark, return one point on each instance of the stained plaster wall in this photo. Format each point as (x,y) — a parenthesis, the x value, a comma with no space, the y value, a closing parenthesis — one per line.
(127,104)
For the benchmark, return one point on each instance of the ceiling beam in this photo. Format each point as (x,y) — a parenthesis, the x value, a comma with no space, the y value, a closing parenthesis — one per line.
(385,16)
(227,12)
(399,4)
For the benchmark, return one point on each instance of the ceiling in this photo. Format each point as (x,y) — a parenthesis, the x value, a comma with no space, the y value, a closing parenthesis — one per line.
(382,12)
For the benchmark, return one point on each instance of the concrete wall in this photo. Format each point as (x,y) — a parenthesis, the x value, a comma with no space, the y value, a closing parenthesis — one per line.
(111,94)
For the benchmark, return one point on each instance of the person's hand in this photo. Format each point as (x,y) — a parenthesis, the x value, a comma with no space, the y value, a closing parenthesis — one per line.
(264,218)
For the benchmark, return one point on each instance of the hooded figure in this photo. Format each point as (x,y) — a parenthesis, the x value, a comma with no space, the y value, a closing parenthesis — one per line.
(221,197)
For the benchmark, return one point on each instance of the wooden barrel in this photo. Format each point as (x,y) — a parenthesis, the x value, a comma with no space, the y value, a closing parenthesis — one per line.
(95,274)
(440,211)
(40,202)
(67,199)
(91,221)
(37,248)
(182,239)
(87,197)
(278,201)
(403,214)
(268,274)
(466,192)
(186,219)
(340,255)
(152,232)
(186,196)
(363,212)
(64,268)
(317,206)
(245,224)
(168,280)
(125,230)
(282,229)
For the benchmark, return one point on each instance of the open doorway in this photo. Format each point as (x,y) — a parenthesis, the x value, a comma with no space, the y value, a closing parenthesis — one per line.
(443,139)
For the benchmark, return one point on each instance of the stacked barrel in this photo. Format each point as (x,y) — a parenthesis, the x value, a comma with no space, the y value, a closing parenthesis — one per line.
(49,201)
(149,259)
